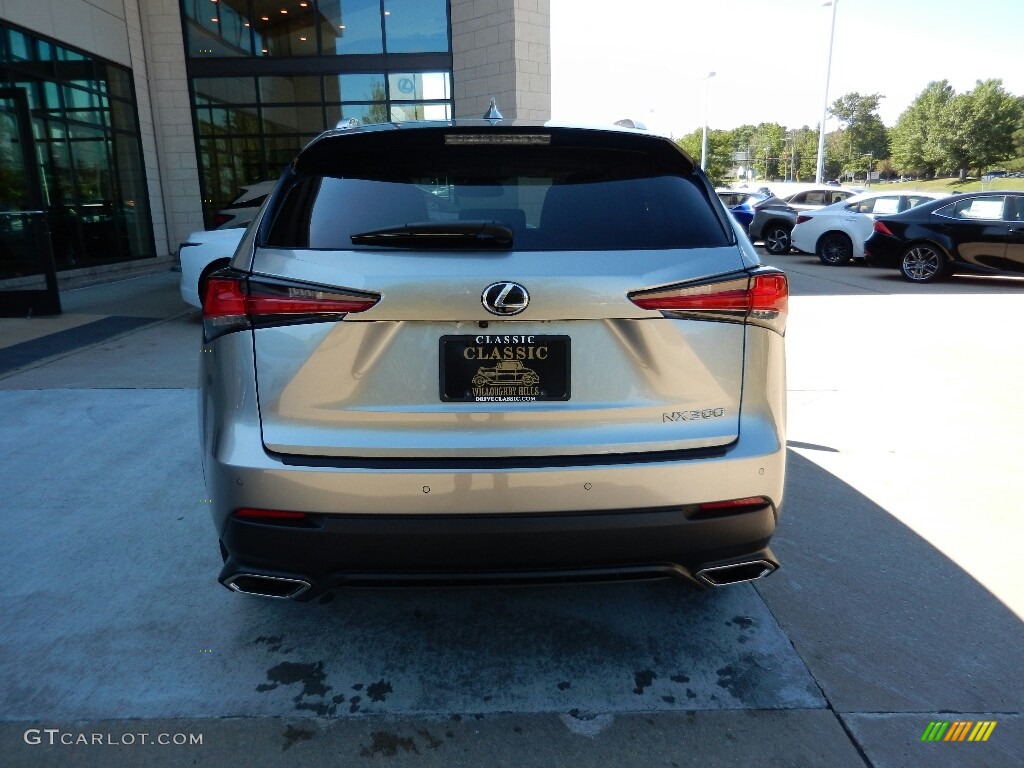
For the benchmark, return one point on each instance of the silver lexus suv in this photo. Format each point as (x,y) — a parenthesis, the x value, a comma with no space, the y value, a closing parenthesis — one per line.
(490,352)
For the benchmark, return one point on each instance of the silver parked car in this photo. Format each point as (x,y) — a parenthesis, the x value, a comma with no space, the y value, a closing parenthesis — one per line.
(492,352)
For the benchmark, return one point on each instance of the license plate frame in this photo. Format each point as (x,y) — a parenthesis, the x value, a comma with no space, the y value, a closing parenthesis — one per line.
(504,368)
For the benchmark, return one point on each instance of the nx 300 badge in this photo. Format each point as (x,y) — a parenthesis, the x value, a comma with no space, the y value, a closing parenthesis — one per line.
(505,298)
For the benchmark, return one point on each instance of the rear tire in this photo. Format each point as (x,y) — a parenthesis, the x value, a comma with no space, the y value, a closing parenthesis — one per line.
(777,239)
(923,263)
(835,249)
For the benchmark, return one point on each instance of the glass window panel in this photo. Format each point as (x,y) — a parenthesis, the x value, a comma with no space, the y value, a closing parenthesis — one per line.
(19,46)
(364,113)
(219,120)
(350,26)
(221,28)
(293,119)
(122,116)
(409,111)
(355,87)
(66,54)
(225,90)
(281,151)
(419,86)
(289,90)
(416,26)
(285,27)
(119,82)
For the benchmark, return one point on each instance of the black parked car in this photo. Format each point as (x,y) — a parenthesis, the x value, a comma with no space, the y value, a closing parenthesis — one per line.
(979,232)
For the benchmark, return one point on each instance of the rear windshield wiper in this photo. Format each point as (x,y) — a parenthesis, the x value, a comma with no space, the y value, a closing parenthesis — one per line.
(440,234)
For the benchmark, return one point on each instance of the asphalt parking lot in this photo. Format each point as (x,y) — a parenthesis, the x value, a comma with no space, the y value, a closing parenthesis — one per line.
(899,602)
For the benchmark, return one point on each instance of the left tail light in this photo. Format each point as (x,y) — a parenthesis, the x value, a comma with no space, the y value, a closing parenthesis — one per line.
(759,298)
(234,302)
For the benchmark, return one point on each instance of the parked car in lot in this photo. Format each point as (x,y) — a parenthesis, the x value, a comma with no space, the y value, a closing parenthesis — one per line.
(977,232)
(359,424)
(741,204)
(200,255)
(836,233)
(812,199)
(240,211)
(772,225)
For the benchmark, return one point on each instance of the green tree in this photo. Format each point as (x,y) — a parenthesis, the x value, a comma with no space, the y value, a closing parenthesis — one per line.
(718,163)
(864,133)
(914,138)
(997,115)
(946,131)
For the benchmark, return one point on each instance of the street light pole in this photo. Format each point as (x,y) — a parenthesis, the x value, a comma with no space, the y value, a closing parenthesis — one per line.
(704,135)
(820,172)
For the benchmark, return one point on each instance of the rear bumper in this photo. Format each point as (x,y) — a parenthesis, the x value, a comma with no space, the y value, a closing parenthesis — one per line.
(359,550)
(883,252)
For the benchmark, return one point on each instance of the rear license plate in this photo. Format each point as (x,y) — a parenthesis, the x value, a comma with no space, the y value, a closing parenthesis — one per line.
(504,369)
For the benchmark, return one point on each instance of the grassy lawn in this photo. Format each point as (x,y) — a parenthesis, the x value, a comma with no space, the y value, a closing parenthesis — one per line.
(954,185)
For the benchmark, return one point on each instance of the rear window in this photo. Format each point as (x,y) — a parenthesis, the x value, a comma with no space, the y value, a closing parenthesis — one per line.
(551,197)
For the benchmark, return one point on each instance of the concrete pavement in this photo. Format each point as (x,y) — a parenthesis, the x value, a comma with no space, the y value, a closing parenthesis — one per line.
(898,602)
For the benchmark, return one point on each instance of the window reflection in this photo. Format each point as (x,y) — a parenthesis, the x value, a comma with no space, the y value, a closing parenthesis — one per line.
(221,28)
(416,26)
(350,26)
(418,86)
(85,136)
(284,27)
(302,78)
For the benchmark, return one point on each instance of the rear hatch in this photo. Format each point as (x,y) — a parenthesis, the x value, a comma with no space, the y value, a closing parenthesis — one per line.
(488,274)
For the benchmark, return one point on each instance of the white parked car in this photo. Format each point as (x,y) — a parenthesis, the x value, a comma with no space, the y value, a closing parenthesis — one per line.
(201,254)
(240,211)
(836,233)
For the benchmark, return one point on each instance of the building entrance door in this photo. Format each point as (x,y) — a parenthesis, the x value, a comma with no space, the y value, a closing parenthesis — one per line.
(28,279)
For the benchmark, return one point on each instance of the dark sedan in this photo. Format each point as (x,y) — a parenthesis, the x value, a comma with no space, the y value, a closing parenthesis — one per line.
(978,232)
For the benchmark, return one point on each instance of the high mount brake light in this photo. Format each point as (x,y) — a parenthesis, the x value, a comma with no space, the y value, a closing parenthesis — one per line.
(760,299)
(234,303)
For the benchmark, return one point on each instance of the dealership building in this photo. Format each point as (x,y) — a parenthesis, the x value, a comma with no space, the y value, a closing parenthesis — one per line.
(147,116)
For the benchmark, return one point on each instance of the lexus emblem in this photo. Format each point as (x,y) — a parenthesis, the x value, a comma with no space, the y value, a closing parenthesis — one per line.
(505,298)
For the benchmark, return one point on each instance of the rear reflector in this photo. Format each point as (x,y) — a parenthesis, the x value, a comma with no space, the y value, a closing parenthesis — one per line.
(233,303)
(269,514)
(761,298)
(713,509)
(753,502)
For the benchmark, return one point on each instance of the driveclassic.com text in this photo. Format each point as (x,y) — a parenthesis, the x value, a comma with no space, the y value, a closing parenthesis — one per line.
(55,736)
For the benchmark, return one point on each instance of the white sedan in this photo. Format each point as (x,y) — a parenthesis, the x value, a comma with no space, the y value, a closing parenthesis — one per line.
(836,233)
(203,253)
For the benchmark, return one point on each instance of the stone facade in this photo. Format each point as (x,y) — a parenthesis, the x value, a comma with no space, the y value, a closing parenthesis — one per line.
(501,49)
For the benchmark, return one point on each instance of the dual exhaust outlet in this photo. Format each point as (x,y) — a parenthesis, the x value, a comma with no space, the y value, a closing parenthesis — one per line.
(720,574)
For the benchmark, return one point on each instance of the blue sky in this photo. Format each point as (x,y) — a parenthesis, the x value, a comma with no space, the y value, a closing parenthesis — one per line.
(648,59)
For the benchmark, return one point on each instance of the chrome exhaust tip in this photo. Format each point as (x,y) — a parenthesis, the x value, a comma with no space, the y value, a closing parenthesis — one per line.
(267,586)
(735,573)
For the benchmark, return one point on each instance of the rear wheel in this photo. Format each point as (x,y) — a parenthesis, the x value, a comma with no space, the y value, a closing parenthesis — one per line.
(835,249)
(922,264)
(777,239)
